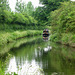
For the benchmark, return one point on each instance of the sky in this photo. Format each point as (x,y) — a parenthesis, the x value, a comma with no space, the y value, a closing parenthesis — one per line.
(35,3)
(12,3)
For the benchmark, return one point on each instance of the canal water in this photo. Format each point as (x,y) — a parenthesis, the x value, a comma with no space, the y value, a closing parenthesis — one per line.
(38,56)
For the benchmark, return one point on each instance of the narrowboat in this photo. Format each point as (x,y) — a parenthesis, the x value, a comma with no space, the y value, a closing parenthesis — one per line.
(45,33)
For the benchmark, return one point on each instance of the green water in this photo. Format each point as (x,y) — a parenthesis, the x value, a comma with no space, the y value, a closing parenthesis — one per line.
(34,56)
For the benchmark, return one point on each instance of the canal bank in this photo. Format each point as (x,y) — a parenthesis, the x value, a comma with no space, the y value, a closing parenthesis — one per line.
(4,49)
(67,39)
(7,37)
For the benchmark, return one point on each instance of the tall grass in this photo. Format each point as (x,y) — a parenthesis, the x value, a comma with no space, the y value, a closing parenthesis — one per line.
(3,62)
(1,70)
(65,38)
(6,37)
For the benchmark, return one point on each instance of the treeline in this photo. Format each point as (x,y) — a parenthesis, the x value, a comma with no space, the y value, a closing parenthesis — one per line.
(20,19)
(42,13)
(60,16)
(16,18)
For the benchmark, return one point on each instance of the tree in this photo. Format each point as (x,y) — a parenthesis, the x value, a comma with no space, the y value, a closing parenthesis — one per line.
(4,5)
(51,5)
(29,8)
(42,13)
(21,7)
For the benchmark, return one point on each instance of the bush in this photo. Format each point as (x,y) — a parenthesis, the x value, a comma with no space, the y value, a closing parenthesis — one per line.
(63,22)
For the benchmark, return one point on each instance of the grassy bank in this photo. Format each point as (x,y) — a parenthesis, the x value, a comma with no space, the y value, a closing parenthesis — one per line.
(4,49)
(68,39)
(6,37)
(65,38)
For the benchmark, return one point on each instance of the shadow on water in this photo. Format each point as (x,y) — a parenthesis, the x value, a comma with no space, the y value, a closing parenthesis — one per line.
(38,57)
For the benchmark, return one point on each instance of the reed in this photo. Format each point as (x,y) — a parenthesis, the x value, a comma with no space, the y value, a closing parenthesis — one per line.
(6,37)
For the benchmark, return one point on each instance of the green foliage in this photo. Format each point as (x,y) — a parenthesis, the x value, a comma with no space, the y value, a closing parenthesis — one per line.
(29,8)
(24,19)
(13,73)
(56,1)
(55,37)
(40,15)
(3,61)
(62,22)
(1,70)
(11,36)
(21,19)
(65,21)
(4,5)
(8,17)
(21,7)
(68,38)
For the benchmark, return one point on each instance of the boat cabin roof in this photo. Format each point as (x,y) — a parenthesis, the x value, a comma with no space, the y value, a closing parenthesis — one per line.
(45,30)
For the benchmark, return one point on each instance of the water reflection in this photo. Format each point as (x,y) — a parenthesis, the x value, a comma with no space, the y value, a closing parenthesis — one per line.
(12,66)
(28,58)
(45,38)
(25,68)
(7,47)
(48,48)
(41,58)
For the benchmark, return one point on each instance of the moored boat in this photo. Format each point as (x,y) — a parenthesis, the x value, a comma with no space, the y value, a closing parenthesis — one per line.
(45,33)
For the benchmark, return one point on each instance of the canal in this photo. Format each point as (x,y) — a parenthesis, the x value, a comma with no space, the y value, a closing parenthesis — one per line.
(36,56)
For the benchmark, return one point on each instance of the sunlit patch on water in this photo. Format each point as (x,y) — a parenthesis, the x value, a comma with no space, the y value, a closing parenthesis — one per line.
(48,48)
(26,69)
